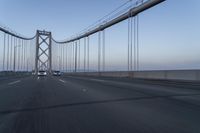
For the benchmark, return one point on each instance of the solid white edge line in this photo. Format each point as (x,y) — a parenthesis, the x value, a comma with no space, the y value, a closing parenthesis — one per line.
(98,80)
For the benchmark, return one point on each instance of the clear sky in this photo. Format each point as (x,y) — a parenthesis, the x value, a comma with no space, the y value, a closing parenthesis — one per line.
(169,33)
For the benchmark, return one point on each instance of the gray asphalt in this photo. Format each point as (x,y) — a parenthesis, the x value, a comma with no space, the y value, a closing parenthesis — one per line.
(98,105)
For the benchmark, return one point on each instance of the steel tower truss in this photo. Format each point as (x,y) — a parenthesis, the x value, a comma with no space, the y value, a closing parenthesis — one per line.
(43,51)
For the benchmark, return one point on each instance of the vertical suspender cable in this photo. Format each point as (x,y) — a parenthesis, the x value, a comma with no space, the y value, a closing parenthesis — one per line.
(63,57)
(103,43)
(60,49)
(30,56)
(8,53)
(70,46)
(128,44)
(18,68)
(60,57)
(11,51)
(17,55)
(73,56)
(22,55)
(79,54)
(76,56)
(67,64)
(24,67)
(27,57)
(131,43)
(138,42)
(4,48)
(99,52)
(135,44)
(88,54)
(66,58)
(84,53)
(14,55)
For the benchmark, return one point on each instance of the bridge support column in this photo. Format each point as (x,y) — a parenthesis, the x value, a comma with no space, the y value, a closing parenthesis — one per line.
(43,57)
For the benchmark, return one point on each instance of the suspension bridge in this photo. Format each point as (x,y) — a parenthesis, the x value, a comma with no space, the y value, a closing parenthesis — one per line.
(87,97)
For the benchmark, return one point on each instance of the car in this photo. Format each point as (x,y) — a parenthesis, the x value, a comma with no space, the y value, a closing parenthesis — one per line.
(56,73)
(42,73)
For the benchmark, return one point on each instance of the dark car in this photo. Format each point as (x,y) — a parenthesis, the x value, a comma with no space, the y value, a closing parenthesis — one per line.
(56,73)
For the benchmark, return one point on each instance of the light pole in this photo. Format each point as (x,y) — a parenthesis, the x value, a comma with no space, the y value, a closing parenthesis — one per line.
(15,56)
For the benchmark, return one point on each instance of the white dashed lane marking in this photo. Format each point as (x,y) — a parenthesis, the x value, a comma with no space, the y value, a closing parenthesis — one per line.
(61,80)
(15,82)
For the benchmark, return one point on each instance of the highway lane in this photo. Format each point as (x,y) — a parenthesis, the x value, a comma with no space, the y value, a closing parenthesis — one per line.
(97,105)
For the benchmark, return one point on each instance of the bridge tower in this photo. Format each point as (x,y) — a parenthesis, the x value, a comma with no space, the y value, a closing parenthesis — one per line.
(43,51)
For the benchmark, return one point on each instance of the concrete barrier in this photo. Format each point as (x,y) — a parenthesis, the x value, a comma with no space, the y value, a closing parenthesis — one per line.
(187,75)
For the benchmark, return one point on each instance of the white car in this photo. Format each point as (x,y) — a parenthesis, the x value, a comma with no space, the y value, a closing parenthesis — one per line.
(42,73)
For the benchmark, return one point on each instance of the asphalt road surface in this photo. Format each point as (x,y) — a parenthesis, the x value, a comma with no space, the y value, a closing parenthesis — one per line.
(98,105)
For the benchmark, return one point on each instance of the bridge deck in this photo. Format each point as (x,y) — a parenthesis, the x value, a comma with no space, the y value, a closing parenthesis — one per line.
(97,105)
